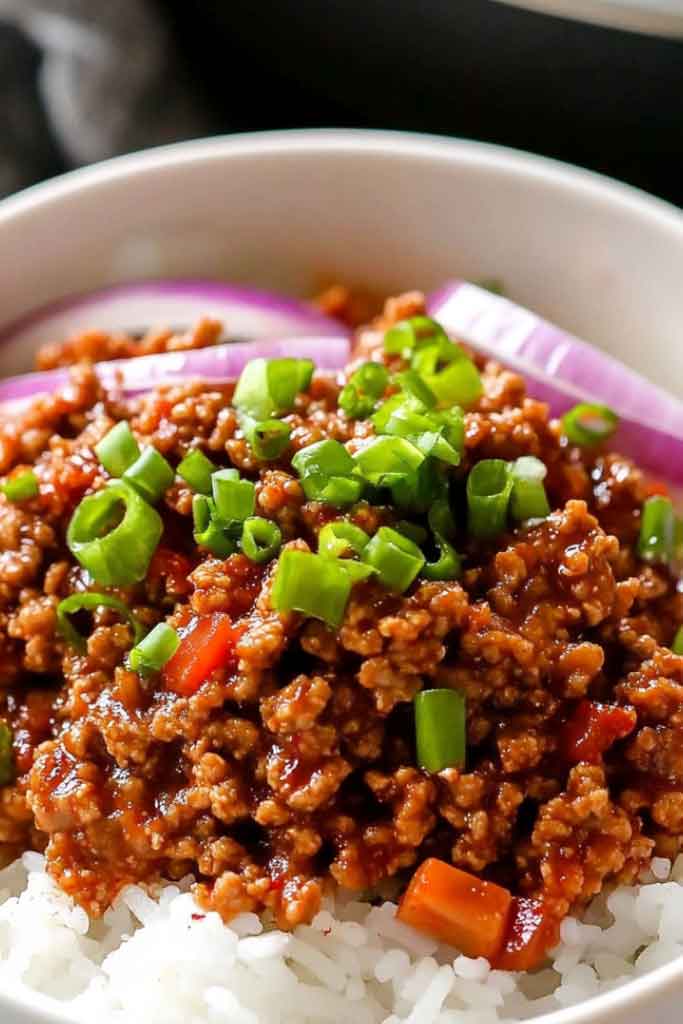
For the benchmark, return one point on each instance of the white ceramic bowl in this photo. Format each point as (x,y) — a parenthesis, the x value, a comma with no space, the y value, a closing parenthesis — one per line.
(394,211)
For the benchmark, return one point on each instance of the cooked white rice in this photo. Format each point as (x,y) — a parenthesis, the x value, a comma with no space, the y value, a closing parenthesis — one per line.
(163,961)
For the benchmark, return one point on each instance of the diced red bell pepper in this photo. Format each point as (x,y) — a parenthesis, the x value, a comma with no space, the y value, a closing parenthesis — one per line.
(208,644)
(532,932)
(593,728)
(458,908)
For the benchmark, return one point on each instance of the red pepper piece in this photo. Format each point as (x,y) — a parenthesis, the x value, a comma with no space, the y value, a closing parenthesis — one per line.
(593,728)
(532,932)
(208,644)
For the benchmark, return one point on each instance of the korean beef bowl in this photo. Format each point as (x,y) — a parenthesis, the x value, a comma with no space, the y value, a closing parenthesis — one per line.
(341,658)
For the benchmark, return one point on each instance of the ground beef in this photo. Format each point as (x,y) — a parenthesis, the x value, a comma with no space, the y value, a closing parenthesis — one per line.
(295,763)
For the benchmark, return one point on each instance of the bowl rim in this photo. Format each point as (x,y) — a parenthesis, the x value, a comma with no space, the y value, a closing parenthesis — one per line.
(639,992)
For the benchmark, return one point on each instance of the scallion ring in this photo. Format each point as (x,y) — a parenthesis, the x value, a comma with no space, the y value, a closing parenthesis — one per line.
(150,474)
(397,559)
(528,499)
(89,601)
(118,449)
(261,539)
(315,586)
(21,487)
(152,653)
(267,387)
(209,531)
(440,723)
(589,423)
(114,533)
(489,486)
(196,470)
(657,539)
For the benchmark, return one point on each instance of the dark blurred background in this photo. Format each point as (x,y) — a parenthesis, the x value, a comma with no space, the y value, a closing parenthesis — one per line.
(84,79)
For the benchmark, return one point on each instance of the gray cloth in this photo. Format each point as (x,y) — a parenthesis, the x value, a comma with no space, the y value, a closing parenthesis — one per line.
(81,80)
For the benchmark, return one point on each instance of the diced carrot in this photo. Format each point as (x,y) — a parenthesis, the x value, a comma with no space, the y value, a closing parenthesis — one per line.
(208,644)
(532,931)
(593,728)
(458,908)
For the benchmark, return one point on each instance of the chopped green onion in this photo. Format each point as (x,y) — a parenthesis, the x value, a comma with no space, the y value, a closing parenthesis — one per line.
(116,551)
(386,460)
(210,531)
(356,571)
(21,487)
(196,469)
(118,449)
(267,387)
(459,383)
(416,492)
(150,474)
(528,499)
(489,486)
(426,361)
(336,490)
(417,332)
(316,586)
(677,642)
(364,388)
(412,385)
(234,498)
(325,469)
(440,721)
(88,601)
(448,566)
(386,410)
(588,424)
(325,458)
(6,759)
(395,557)
(152,653)
(268,438)
(261,539)
(341,538)
(657,539)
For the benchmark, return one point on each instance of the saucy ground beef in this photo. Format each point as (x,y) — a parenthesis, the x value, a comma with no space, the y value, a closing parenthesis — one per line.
(294,762)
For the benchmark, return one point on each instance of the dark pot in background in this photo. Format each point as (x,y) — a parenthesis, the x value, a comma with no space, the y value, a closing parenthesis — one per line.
(604,98)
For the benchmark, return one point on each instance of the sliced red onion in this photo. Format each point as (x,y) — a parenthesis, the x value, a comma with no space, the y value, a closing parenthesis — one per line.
(562,370)
(247,314)
(217,364)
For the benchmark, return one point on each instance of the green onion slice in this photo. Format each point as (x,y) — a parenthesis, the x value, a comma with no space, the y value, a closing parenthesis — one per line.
(413,386)
(210,531)
(118,449)
(6,758)
(386,460)
(657,540)
(415,333)
(89,601)
(397,559)
(677,642)
(150,474)
(528,499)
(489,486)
(196,470)
(268,438)
(152,653)
(267,387)
(315,586)
(342,538)
(261,539)
(440,729)
(357,399)
(448,566)
(234,498)
(21,487)
(588,423)
(114,533)
(459,383)
(325,469)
